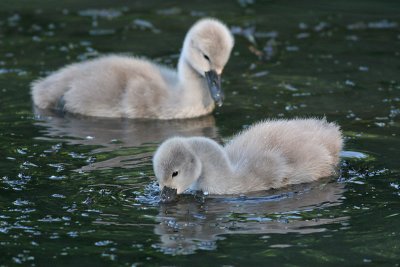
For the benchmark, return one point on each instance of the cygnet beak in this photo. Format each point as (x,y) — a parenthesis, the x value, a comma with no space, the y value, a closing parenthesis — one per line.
(214,84)
(168,195)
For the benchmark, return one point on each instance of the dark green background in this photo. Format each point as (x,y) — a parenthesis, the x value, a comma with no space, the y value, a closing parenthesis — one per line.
(81,191)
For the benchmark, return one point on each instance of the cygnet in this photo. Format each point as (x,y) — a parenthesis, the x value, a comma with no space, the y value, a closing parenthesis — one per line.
(131,87)
(269,154)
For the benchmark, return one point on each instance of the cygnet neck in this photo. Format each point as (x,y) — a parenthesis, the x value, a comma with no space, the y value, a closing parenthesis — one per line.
(192,85)
(215,163)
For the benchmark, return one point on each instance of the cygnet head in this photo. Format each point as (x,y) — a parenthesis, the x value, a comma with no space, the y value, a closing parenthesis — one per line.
(207,48)
(176,167)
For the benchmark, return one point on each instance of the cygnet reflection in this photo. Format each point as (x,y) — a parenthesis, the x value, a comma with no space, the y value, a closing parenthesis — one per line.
(189,225)
(108,135)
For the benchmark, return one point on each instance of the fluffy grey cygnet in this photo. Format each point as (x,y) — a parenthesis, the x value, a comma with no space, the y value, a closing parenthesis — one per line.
(269,154)
(124,86)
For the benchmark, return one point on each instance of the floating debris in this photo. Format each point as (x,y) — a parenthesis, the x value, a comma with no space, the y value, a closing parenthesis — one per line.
(260,74)
(256,51)
(247,33)
(288,87)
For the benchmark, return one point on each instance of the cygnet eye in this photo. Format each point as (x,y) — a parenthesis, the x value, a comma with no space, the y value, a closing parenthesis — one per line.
(206,57)
(175,173)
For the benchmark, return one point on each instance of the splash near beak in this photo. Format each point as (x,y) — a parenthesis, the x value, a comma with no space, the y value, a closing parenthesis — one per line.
(168,195)
(214,84)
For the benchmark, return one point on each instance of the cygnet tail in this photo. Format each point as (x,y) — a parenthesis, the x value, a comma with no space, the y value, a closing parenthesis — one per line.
(47,93)
(333,140)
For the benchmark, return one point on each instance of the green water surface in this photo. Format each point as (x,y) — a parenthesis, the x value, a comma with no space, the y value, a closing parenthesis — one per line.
(81,191)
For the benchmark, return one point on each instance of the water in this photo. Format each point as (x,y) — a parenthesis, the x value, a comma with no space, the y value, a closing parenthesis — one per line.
(81,191)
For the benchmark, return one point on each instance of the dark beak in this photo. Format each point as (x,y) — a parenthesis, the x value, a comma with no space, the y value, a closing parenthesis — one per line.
(168,195)
(214,84)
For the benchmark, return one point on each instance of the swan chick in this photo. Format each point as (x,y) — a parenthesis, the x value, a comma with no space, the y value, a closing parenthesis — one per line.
(125,86)
(269,154)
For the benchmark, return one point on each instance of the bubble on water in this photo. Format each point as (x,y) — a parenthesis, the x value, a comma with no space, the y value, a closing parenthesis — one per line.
(395,186)
(150,196)
(103,243)
(22,151)
(72,234)
(53,149)
(353,154)
(49,218)
(57,178)
(58,196)
(59,166)
(380,124)
(77,155)
(259,219)
(18,183)
(29,164)
(280,246)
(20,202)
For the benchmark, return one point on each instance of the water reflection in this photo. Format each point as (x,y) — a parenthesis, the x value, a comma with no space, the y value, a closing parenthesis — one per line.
(189,225)
(110,135)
